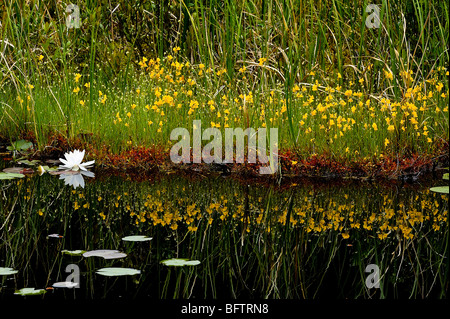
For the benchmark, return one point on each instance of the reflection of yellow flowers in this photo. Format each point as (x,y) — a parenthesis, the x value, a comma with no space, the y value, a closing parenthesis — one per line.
(382,235)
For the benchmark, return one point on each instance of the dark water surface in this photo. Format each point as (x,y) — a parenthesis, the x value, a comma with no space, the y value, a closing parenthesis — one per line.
(305,240)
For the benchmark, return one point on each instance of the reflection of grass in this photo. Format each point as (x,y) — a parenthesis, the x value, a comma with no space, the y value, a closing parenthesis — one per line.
(331,86)
(302,243)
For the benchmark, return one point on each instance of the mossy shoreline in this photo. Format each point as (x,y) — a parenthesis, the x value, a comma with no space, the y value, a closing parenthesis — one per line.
(141,162)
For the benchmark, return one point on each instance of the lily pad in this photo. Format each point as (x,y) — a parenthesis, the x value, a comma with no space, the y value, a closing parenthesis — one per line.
(137,238)
(30,292)
(11,175)
(55,236)
(27,162)
(117,271)
(78,252)
(440,189)
(65,284)
(105,253)
(5,271)
(18,170)
(180,262)
(19,145)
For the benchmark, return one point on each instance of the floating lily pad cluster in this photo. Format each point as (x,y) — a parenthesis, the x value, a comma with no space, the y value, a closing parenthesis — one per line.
(106,271)
(71,171)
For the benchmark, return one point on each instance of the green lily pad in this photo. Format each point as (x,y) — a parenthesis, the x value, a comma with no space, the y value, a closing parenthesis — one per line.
(137,238)
(117,271)
(30,292)
(18,170)
(20,145)
(30,163)
(180,262)
(5,271)
(73,252)
(105,253)
(440,189)
(65,284)
(11,175)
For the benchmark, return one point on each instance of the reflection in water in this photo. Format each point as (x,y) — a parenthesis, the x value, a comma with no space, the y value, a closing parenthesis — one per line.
(75,179)
(309,240)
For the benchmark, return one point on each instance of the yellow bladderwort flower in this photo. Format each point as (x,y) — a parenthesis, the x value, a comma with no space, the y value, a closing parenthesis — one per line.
(261,61)
(77,77)
(388,75)
(87,84)
(211,105)
(375,127)
(82,103)
(76,90)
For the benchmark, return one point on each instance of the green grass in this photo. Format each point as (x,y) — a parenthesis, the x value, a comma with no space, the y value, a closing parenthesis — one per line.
(311,49)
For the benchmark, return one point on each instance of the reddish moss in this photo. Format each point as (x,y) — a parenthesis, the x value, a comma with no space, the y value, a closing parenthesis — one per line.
(143,161)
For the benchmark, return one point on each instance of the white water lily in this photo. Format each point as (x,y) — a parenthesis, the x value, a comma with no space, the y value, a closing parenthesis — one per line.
(73,161)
